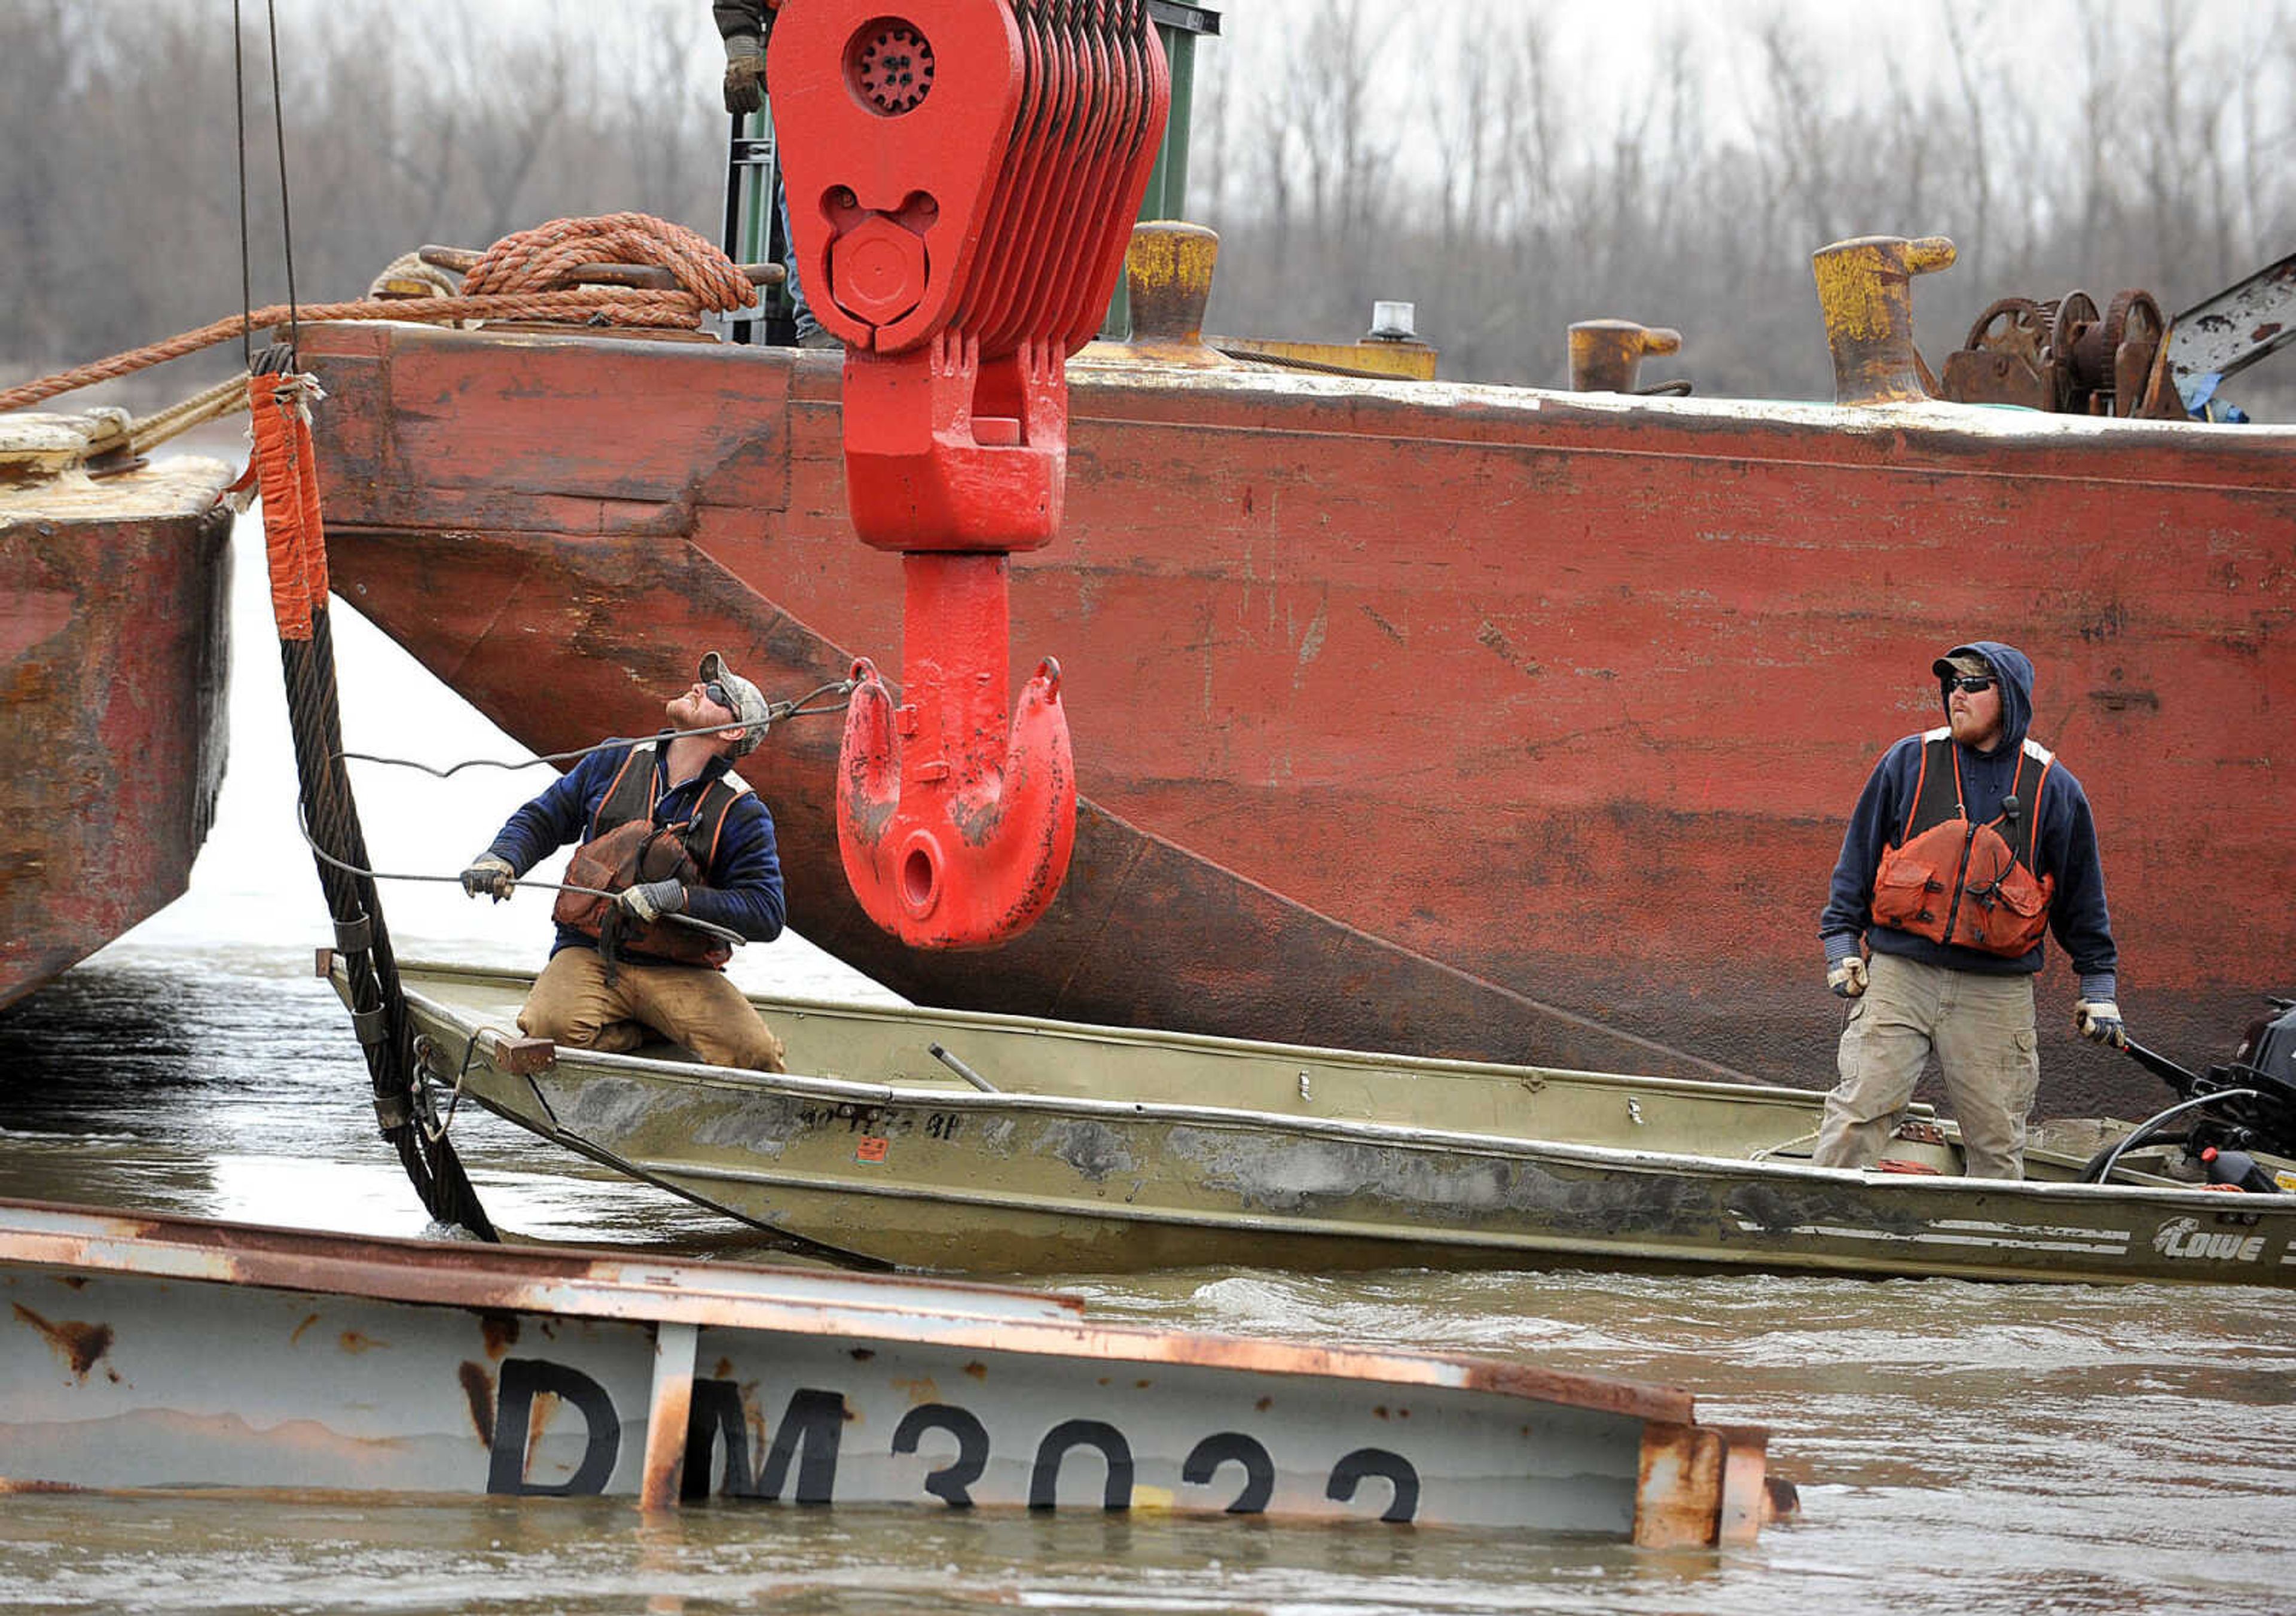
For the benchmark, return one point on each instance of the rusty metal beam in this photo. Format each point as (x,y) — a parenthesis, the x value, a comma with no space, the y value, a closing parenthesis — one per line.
(668,1414)
(1678,1495)
(2224,334)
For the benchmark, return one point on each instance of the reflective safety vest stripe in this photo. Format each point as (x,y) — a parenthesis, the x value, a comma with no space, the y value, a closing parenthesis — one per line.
(626,847)
(1953,880)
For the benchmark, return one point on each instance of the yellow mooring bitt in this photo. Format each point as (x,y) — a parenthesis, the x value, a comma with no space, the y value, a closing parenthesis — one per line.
(1864,288)
(1606,355)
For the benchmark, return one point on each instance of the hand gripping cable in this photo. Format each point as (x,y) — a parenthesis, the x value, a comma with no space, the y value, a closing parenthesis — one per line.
(963,176)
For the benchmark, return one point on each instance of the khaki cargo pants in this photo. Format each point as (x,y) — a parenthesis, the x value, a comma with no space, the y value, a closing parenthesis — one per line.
(573,1004)
(1982,1028)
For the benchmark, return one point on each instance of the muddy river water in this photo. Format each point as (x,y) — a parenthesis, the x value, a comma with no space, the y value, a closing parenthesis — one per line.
(1959,1448)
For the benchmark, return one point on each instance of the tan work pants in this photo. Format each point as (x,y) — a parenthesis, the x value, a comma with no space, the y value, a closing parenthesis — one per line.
(573,1004)
(1982,1028)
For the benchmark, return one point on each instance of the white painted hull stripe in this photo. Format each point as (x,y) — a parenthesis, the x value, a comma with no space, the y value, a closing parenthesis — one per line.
(1933,1238)
(1975,1226)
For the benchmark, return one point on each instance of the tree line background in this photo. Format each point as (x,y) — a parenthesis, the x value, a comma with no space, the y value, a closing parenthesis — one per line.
(1507,167)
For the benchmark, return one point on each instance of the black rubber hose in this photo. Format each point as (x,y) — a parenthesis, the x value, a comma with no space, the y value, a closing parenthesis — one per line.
(2104,1168)
(2094,1166)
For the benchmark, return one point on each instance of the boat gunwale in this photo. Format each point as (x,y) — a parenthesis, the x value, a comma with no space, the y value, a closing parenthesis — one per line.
(1384,1063)
(699,1074)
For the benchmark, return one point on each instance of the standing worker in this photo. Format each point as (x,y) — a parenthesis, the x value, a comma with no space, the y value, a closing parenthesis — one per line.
(666,828)
(745,26)
(1968,843)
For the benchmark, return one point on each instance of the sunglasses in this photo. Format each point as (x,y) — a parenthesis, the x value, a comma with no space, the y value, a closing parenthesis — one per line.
(724,698)
(1971,682)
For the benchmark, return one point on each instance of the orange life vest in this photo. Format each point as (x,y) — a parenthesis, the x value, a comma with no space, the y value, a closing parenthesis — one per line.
(1954,881)
(627,847)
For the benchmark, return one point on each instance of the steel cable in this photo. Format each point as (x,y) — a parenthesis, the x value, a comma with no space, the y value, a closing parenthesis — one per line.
(308,666)
(722,933)
(776,713)
(371,968)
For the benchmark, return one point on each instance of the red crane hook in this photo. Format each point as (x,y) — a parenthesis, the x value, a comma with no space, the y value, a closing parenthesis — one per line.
(962,175)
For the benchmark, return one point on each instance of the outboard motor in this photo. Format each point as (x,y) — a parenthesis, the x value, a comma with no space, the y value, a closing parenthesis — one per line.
(2238,1111)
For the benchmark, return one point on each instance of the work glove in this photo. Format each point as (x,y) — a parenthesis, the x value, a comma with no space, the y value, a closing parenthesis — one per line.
(1848,977)
(745,74)
(2099,1022)
(490,875)
(650,900)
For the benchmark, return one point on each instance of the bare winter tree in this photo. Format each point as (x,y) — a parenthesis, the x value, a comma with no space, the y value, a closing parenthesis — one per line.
(43,68)
(2149,150)
(1477,157)
(1964,30)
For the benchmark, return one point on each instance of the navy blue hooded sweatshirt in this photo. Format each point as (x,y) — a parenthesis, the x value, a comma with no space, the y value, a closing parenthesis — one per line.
(741,889)
(2064,846)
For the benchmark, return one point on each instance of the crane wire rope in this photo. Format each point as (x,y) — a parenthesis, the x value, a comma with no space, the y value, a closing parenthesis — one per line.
(295,543)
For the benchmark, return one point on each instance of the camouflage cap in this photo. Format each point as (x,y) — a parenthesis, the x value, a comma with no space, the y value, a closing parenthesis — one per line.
(749,703)
(1968,662)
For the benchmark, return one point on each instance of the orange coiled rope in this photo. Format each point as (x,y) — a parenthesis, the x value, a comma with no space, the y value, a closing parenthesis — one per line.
(547,256)
(524,278)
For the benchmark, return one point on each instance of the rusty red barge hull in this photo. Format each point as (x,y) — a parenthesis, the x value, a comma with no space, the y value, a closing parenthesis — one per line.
(1570,693)
(114,659)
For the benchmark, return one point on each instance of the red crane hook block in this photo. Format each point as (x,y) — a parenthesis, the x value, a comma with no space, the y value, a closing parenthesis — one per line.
(962,175)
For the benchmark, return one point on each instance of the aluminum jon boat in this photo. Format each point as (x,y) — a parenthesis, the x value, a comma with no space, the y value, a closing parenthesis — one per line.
(1004,1145)
(157,1352)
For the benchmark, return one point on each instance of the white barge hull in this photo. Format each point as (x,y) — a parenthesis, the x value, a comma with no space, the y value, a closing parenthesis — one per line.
(162,1353)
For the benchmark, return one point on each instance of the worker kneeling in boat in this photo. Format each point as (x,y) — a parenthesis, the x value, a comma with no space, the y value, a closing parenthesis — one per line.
(1968,844)
(668,829)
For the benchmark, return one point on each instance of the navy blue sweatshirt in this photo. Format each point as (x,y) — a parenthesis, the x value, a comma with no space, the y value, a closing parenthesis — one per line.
(741,888)
(2064,845)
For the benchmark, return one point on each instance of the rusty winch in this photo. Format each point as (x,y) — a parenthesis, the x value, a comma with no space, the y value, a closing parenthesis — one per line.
(962,175)
(2064,356)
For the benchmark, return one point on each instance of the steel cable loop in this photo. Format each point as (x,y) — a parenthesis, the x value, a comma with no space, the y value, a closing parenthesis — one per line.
(437,1134)
(776,712)
(723,933)
(354,864)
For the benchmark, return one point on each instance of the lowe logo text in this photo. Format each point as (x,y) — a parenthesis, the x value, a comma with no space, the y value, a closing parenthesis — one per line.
(2185,1237)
